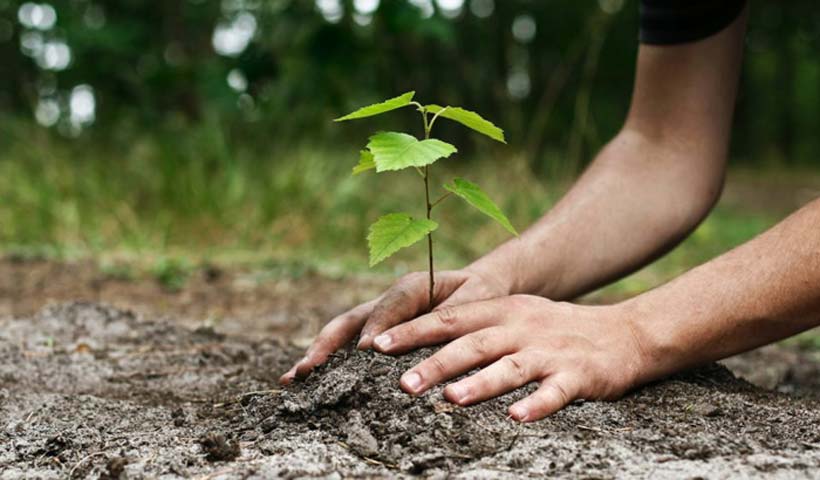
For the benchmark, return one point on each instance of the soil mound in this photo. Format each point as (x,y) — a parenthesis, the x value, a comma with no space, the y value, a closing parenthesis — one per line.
(89,391)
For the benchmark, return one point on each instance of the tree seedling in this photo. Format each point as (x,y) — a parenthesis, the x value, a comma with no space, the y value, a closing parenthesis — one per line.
(391,151)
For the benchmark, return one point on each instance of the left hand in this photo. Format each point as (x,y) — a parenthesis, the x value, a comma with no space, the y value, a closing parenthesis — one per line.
(573,351)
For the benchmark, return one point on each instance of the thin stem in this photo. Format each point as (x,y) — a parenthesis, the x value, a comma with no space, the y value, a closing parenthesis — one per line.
(426,175)
(424,118)
(430,126)
(429,206)
(430,304)
(441,199)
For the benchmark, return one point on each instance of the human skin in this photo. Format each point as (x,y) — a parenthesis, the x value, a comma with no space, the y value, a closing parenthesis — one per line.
(645,191)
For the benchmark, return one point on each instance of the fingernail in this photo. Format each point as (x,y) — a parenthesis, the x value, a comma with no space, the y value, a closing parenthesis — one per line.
(412,381)
(383,341)
(458,393)
(286,378)
(362,341)
(519,412)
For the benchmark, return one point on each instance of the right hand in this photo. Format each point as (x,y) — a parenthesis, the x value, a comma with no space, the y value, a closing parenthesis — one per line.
(406,299)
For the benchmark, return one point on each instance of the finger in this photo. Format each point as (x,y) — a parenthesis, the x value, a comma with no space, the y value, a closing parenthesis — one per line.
(457,357)
(406,299)
(555,393)
(333,336)
(439,326)
(506,374)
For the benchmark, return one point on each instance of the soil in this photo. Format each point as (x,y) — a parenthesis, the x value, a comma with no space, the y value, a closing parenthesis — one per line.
(283,301)
(94,391)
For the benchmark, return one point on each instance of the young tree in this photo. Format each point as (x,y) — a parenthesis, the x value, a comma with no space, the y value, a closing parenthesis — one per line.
(391,151)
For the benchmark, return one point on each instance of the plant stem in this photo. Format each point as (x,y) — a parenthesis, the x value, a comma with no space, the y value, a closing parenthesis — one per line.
(430,304)
(441,199)
(427,126)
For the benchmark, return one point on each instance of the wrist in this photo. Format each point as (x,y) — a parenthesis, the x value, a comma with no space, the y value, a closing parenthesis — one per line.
(500,267)
(657,353)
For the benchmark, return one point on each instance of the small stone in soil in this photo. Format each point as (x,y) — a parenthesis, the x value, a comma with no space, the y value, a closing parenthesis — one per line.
(114,468)
(218,449)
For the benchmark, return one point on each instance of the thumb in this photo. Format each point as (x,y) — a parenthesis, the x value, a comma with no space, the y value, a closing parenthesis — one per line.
(472,290)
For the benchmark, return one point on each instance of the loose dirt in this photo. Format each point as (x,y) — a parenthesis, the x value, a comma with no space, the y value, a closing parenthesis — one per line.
(93,391)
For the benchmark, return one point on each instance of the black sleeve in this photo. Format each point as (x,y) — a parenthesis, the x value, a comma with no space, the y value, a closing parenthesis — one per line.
(667,22)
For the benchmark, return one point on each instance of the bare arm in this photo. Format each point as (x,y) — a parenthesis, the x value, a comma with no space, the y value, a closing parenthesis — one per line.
(648,188)
(762,291)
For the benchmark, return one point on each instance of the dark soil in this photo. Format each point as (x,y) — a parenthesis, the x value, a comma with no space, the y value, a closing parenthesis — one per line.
(90,391)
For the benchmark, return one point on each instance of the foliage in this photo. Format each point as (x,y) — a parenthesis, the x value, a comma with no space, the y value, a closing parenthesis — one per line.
(476,197)
(379,108)
(397,151)
(172,274)
(391,151)
(394,231)
(468,119)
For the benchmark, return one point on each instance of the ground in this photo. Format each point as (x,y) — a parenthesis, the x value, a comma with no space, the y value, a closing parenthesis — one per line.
(93,390)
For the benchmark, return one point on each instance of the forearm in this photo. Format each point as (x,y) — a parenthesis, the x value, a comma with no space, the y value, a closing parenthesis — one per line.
(648,188)
(637,200)
(762,291)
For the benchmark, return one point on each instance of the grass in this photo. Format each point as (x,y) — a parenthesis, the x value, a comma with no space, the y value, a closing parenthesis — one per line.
(725,228)
(197,196)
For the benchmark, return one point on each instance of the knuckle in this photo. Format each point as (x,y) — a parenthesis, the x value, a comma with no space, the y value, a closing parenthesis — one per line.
(560,392)
(410,279)
(437,366)
(408,330)
(479,344)
(446,316)
(516,366)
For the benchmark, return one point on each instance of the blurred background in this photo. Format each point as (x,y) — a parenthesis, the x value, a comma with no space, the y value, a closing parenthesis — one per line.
(162,137)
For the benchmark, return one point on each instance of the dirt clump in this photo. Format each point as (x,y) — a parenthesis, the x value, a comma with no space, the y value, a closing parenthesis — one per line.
(114,468)
(217,449)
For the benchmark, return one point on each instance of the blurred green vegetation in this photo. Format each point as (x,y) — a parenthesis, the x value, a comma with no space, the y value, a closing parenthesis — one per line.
(171,203)
(177,133)
(557,75)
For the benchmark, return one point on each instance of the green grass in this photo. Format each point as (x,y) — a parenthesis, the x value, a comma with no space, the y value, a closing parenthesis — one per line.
(201,197)
(723,229)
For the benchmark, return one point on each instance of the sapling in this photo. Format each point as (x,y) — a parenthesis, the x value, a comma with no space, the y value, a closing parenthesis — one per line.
(391,151)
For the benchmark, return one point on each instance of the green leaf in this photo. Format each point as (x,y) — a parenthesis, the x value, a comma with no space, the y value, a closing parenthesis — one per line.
(476,197)
(365,162)
(395,151)
(379,108)
(469,119)
(395,231)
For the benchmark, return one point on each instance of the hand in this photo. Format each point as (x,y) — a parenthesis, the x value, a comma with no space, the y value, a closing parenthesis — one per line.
(573,351)
(406,299)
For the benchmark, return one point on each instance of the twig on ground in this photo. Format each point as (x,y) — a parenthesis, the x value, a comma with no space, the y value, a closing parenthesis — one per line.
(216,473)
(238,398)
(371,461)
(81,461)
(592,429)
(603,431)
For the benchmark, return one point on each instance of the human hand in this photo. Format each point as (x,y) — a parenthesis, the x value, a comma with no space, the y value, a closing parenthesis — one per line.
(406,299)
(573,351)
